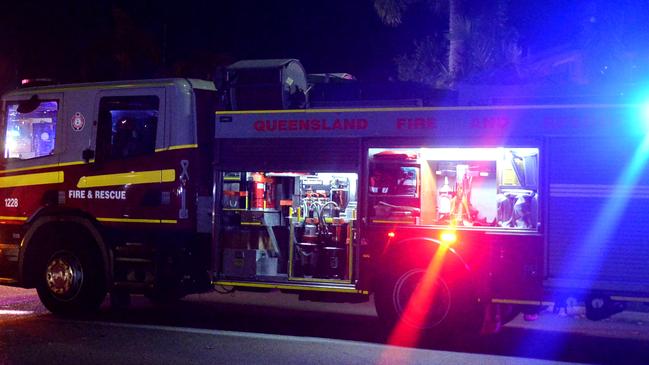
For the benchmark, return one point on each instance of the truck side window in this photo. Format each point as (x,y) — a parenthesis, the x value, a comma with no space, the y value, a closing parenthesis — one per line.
(128,125)
(31,134)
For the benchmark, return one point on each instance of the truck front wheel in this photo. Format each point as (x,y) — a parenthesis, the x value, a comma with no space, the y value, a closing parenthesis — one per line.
(71,280)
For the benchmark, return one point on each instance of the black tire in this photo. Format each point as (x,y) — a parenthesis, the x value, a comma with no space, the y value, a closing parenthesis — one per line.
(450,308)
(71,280)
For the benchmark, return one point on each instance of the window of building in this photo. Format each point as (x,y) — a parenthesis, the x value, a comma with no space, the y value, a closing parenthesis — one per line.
(31,134)
(129,125)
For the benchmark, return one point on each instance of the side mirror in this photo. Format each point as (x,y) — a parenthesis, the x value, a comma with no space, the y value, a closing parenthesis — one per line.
(87,155)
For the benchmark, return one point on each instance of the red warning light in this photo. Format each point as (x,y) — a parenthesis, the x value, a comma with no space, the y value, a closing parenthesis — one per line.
(448,237)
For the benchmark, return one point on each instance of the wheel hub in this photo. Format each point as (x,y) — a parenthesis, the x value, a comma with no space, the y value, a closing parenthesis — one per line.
(64,275)
(418,313)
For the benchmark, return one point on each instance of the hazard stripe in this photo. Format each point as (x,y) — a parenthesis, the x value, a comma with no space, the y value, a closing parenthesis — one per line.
(380,221)
(130,178)
(177,147)
(43,166)
(520,302)
(138,220)
(294,287)
(8,218)
(42,178)
(72,163)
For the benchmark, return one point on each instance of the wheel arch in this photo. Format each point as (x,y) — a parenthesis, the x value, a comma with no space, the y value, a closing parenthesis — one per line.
(420,247)
(45,222)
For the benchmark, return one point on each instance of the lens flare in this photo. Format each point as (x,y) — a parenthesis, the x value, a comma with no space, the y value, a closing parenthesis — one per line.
(419,305)
(600,237)
(612,212)
(448,237)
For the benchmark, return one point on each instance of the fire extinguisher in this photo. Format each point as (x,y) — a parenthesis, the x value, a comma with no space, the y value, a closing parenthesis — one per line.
(263,191)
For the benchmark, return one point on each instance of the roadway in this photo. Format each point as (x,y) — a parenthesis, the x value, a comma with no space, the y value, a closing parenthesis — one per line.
(262,328)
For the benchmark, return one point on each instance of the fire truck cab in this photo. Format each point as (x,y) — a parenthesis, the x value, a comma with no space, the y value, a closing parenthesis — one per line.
(104,189)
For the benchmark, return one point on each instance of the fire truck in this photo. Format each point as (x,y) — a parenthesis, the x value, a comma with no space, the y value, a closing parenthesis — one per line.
(451,217)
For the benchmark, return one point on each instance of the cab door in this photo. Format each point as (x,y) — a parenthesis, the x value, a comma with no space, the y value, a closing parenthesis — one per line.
(126,183)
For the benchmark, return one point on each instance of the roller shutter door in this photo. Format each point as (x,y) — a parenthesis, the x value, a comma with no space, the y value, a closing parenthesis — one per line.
(598,213)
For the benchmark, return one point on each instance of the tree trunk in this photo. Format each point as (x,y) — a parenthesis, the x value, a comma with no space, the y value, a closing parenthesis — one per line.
(456,52)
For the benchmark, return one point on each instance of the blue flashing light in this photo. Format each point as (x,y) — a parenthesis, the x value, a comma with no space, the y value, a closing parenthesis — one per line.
(640,99)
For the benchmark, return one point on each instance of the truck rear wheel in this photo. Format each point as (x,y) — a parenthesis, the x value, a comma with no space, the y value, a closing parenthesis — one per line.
(71,281)
(417,302)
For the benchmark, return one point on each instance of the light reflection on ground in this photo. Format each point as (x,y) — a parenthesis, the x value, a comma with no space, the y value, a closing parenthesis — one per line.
(13,312)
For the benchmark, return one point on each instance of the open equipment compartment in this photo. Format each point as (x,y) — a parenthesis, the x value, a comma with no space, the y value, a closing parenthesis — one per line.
(280,226)
(460,187)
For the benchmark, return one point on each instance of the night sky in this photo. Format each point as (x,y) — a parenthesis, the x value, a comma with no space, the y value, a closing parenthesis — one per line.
(80,40)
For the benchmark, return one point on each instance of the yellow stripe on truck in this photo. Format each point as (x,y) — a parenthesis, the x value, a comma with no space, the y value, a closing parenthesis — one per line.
(40,167)
(137,220)
(8,218)
(42,178)
(177,147)
(133,178)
